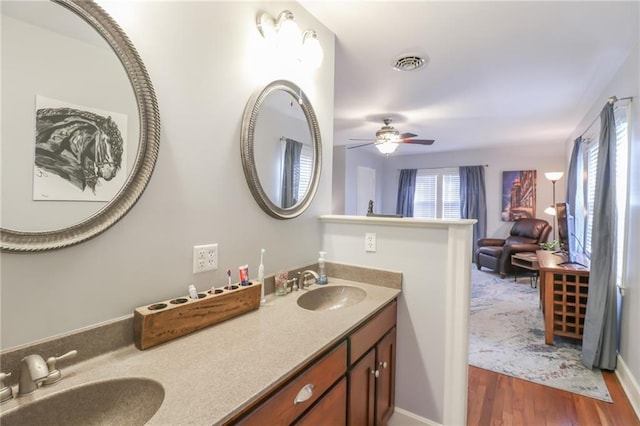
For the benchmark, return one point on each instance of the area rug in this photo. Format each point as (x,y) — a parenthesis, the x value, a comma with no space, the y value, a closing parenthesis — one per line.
(507,336)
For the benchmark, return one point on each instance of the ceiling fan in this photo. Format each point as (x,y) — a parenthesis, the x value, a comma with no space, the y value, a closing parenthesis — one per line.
(388,139)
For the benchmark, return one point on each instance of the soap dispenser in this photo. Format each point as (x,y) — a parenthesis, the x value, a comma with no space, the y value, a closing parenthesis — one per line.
(321,272)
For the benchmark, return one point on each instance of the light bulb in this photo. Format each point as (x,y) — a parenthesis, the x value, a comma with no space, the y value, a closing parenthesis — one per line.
(289,37)
(311,54)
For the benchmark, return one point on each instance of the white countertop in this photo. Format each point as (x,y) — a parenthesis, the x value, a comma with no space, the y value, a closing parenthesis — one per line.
(212,374)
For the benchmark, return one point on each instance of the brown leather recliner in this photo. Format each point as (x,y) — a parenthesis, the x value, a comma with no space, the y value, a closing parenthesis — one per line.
(526,236)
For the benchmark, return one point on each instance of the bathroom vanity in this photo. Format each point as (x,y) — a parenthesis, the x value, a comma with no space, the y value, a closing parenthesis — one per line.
(253,367)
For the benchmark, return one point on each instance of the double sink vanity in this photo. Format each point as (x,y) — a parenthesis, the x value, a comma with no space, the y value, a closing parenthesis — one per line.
(287,363)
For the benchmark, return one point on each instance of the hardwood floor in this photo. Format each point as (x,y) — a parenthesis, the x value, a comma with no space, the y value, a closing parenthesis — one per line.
(497,399)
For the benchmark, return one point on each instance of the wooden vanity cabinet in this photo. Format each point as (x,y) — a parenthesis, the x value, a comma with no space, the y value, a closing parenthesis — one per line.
(372,375)
(283,407)
(353,383)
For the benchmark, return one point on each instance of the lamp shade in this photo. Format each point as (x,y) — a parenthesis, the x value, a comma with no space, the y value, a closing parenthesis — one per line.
(311,53)
(289,36)
(553,176)
(387,147)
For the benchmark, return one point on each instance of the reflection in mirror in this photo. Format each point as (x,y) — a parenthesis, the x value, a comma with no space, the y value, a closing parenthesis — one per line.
(80,139)
(281,149)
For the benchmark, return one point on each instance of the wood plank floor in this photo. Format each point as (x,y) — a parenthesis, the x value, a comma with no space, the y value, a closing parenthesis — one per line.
(497,399)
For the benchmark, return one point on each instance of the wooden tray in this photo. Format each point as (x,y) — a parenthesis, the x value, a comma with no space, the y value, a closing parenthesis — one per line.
(163,321)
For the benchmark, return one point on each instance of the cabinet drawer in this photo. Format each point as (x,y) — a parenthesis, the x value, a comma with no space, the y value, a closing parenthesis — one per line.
(368,335)
(281,409)
(330,410)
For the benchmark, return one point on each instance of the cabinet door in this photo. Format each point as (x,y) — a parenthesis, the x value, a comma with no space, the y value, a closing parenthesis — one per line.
(385,383)
(362,385)
(330,410)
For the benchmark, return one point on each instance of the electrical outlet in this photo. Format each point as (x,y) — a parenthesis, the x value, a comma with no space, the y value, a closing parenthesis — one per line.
(370,242)
(205,258)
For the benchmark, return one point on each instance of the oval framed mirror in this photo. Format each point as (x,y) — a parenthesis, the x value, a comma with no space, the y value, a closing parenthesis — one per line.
(28,225)
(281,149)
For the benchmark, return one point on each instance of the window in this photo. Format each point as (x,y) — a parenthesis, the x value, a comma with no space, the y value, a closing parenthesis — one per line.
(621,173)
(437,194)
(306,166)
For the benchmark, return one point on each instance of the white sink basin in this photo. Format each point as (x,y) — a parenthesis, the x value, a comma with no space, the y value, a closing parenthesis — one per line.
(331,298)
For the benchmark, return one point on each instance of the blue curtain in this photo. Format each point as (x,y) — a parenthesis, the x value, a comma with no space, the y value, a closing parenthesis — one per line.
(473,200)
(291,173)
(574,195)
(406,192)
(599,340)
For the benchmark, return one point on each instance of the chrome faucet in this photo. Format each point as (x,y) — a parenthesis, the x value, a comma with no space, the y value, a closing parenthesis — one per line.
(33,371)
(302,278)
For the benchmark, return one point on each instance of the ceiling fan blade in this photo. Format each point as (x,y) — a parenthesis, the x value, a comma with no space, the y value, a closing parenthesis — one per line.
(419,141)
(407,135)
(363,144)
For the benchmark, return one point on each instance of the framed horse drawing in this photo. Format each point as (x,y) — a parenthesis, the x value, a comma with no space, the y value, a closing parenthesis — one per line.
(80,152)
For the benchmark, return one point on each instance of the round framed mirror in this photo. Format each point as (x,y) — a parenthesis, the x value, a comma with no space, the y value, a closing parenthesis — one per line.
(82,137)
(281,149)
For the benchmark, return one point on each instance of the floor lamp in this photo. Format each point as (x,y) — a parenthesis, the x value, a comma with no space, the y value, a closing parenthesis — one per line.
(553,177)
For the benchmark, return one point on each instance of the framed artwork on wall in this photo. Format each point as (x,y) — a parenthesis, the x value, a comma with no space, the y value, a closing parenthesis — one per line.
(518,195)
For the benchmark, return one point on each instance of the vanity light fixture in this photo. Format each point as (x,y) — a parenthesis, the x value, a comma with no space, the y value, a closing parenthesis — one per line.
(287,38)
(311,52)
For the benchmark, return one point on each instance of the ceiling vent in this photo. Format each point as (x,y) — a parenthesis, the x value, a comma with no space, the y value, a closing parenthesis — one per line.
(408,62)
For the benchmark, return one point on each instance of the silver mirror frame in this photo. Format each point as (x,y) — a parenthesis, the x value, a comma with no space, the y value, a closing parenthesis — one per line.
(247,149)
(149,144)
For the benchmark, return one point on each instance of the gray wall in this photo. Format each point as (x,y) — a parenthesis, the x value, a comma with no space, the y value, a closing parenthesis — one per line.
(205,59)
(547,158)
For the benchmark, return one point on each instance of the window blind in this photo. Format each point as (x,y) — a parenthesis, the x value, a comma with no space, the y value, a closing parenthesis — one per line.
(437,194)
(306,166)
(451,196)
(425,196)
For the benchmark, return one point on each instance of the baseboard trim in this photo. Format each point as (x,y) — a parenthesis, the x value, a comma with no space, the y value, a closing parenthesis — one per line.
(417,418)
(629,385)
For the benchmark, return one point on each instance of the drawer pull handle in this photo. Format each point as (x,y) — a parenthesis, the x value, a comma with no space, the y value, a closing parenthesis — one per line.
(383,364)
(304,394)
(376,373)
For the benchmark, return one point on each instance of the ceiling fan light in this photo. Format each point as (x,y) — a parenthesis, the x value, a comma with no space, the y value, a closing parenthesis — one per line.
(387,147)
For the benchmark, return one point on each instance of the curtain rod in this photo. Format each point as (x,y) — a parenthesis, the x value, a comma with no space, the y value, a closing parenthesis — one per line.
(612,100)
(450,167)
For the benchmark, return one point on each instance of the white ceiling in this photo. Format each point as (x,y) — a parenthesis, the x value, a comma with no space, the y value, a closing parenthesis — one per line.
(499,73)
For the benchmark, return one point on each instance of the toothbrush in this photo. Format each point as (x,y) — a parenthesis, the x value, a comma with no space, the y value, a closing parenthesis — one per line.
(229,276)
(261,276)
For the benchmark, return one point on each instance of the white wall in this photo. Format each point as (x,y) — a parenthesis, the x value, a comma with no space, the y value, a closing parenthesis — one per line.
(353,159)
(545,158)
(205,59)
(626,83)
(433,308)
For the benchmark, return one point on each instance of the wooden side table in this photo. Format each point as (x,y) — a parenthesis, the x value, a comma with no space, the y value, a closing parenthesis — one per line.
(528,261)
(564,290)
